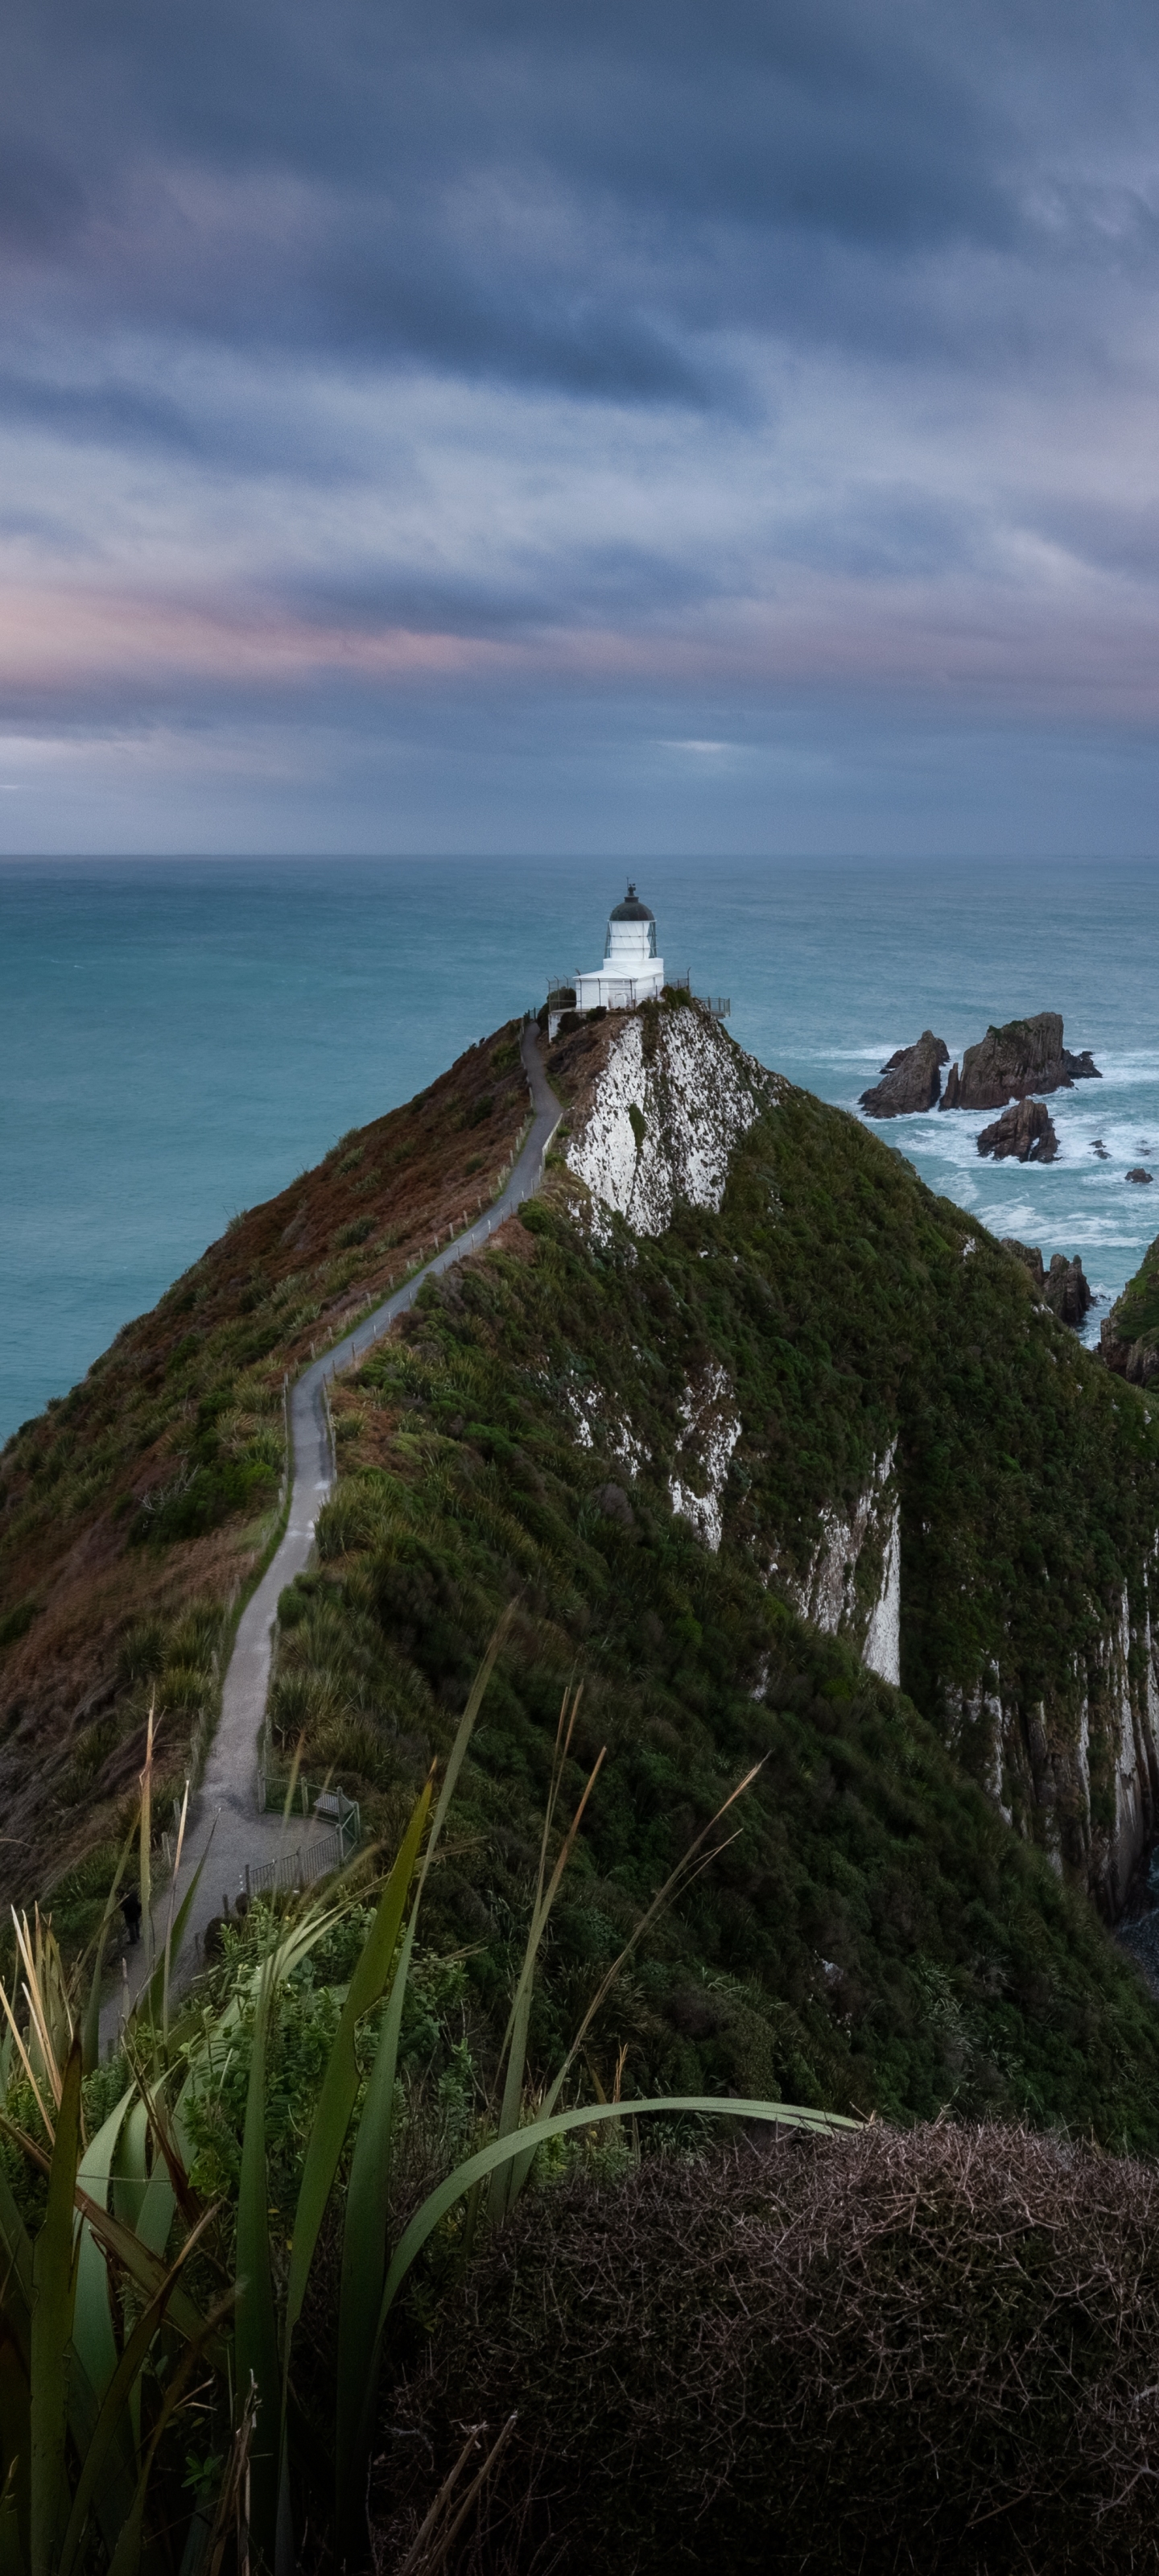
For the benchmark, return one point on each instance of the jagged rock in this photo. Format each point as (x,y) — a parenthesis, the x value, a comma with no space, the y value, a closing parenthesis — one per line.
(1064,1287)
(1112,1348)
(1140,1175)
(912,1080)
(1067,1290)
(1024,1131)
(1029,1255)
(1012,1061)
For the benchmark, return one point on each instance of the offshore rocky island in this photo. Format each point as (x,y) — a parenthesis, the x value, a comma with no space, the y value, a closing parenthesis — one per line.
(793,1468)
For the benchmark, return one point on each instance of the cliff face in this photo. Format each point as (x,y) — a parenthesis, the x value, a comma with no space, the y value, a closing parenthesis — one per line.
(981,1521)
(744,1428)
(658,1119)
(1129,1336)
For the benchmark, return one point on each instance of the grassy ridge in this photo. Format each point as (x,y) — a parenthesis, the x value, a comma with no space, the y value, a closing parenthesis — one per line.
(145,1498)
(876,1936)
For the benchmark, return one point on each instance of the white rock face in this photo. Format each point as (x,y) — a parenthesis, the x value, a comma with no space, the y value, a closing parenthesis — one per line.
(882,1648)
(1041,1763)
(597,1427)
(713,1427)
(828,1594)
(661,1129)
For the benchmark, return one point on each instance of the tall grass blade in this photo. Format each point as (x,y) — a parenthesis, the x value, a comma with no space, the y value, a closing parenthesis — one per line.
(364,2267)
(256,2333)
(108,2430)
(169,1917)
(687,1868)
(91,2018)
(126,2559)
(52,2310)
(146,1864)
(490,2159)
(505,2184)
(151,1994)
(92,2318)
(340,2082)
(466,1728)
(26,2062)
(364,2234)
(40,2035)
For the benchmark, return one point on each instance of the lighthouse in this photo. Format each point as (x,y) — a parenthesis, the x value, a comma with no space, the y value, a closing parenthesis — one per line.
(631,972)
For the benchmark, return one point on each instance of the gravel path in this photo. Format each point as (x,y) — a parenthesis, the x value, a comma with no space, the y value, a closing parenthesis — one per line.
(226,1822)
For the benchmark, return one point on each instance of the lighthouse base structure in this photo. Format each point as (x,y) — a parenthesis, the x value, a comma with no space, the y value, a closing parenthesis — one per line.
(611,991)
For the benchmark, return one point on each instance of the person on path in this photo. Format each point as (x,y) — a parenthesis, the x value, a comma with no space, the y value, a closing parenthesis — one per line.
(131,1909)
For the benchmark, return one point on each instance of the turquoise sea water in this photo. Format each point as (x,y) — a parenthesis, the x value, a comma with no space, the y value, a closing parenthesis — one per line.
(178,1038)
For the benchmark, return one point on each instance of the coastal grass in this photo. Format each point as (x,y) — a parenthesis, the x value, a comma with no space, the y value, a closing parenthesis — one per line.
(150,1486)
(877,1937)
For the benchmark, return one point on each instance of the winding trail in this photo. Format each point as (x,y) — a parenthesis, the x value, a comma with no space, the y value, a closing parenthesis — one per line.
(226,1821)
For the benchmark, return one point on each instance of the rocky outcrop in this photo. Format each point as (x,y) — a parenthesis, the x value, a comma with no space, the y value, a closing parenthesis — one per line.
(1012,1061)
(667,1098)
(911,1081)
(1067,1291)
(1064,1287)
(1141,1175)
(1025,1132)
(1081,1778)
(852,1586)
(712,1427)
(1129,1339)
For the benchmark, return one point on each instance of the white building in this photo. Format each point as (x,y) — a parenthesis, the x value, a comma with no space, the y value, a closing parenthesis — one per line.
(631,972)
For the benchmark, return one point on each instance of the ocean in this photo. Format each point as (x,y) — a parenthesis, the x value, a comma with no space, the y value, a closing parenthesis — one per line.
(178,1038)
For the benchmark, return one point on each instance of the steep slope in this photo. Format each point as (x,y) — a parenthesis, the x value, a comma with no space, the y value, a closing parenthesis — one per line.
(134,1513)
(666,1438)
(749,1426)
(1129,1338)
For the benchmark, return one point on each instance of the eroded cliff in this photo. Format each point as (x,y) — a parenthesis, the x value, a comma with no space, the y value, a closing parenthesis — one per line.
(979,1513)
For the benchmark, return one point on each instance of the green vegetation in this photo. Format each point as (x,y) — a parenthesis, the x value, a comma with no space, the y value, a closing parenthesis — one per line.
(875,1936)
(153,1485)
(1135,1316)
(269,2085)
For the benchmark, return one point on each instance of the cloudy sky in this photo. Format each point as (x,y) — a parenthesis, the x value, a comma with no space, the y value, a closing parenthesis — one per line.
(624,428)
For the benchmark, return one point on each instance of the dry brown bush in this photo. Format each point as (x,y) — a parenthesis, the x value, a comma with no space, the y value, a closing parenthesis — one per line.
(934,2351)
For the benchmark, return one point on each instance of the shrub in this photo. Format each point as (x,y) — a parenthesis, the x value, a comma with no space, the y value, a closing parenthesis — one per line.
(928,2352)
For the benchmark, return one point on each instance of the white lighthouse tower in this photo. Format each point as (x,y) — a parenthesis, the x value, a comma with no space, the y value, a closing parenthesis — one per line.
(631,972)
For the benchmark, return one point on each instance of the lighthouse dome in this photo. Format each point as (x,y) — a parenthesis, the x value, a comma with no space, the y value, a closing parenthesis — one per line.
(631,938)
(631,909)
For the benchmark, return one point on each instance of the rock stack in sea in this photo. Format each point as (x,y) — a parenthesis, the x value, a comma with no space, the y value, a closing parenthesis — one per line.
(1012,1061)
(911,1081)
(1025,1131)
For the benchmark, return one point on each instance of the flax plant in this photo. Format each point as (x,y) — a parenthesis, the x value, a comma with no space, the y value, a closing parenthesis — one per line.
(102,2345)
(372,2271)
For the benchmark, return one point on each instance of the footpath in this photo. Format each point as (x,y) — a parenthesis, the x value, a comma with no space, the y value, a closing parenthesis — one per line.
(227,1822)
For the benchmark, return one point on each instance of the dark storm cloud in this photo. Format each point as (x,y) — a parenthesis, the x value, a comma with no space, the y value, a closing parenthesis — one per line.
(659,363)
(557,195)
